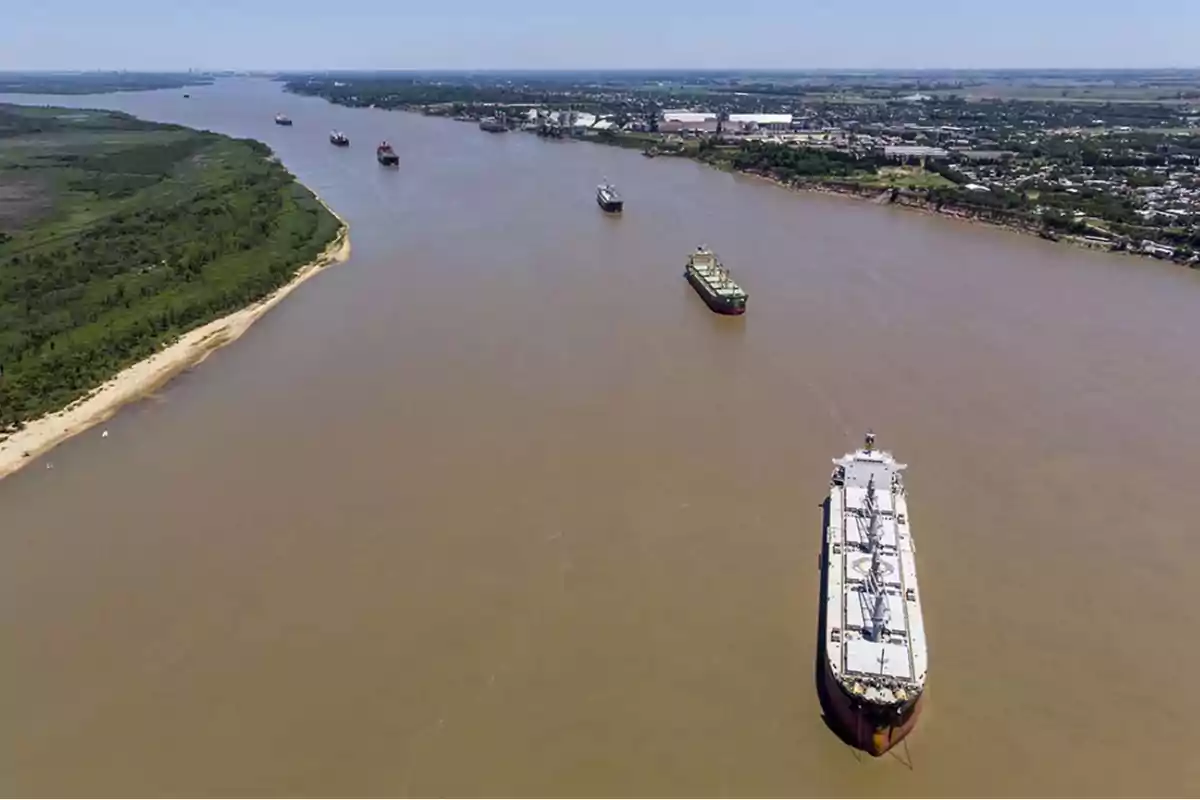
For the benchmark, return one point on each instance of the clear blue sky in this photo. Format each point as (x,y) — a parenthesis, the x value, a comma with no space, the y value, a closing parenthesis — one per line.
(552,34)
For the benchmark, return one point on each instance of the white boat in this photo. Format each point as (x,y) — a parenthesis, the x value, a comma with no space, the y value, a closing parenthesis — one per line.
(875,654)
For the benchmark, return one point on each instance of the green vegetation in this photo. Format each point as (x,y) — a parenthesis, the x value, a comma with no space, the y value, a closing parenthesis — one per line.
(117,235)
(905,177)
(791,163)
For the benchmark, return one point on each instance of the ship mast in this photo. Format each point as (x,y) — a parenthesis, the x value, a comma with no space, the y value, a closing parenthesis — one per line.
(874,533)
(875,584)
(879,613)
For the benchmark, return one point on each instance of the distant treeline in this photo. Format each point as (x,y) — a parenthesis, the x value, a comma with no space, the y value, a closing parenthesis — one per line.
(400,93)
(94,82)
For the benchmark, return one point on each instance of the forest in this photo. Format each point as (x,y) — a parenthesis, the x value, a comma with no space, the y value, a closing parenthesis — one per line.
(118,235)
(792,163)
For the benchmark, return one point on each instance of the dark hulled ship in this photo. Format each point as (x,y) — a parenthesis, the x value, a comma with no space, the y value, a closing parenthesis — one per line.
(609,199)
(712,281)
(386,155)
(283,119)
(339,139)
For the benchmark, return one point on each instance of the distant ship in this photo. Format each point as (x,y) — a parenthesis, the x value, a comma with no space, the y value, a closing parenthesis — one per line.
(874,650)
(339,139)
(186,96)
(386,155)
(492,125)
(283,119)
(608,198)
(712,281)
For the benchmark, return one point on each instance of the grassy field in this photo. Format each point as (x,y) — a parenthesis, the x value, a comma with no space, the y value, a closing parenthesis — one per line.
(117,235)
(905,178)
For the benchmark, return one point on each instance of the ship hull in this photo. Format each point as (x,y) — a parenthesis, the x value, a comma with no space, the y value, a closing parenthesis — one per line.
(340,142)
(610,206)
(388,161)
(715,302)
(872,729)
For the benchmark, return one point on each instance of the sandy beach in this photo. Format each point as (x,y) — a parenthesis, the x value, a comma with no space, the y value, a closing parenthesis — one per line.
(146,376)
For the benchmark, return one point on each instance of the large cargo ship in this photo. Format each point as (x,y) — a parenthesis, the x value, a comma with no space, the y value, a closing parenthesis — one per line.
(283,119)
(609,198)
(874,650)
(339,139)
(708,276)
(386,155)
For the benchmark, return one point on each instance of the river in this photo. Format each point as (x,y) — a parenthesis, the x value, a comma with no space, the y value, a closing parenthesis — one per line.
(498,507)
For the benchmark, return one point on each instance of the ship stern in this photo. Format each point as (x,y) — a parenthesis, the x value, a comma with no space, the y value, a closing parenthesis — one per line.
(872,728)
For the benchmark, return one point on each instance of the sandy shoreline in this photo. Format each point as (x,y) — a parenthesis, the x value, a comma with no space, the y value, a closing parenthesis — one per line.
(146,376)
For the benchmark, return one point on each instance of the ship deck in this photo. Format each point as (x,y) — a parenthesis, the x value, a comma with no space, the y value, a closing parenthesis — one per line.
(897,660)
(717,278)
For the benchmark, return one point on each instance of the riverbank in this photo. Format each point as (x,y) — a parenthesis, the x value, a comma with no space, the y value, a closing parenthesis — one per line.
(911,198)
(900,198)
(133,383)
(916,201)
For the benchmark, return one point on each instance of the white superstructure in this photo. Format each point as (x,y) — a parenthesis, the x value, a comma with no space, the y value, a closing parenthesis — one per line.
(874,630)
(607,193)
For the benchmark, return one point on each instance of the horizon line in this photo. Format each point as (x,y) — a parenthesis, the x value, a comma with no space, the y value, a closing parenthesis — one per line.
(315,70)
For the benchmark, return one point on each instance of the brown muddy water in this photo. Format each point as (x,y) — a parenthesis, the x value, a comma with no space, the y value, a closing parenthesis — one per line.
(500,508)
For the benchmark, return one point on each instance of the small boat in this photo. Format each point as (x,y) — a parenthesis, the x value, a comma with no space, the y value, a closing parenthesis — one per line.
(650,152)
(609,199)
(493,125)
(386,155)
(186,96)
(712,281)
(283,119)
(339,139)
